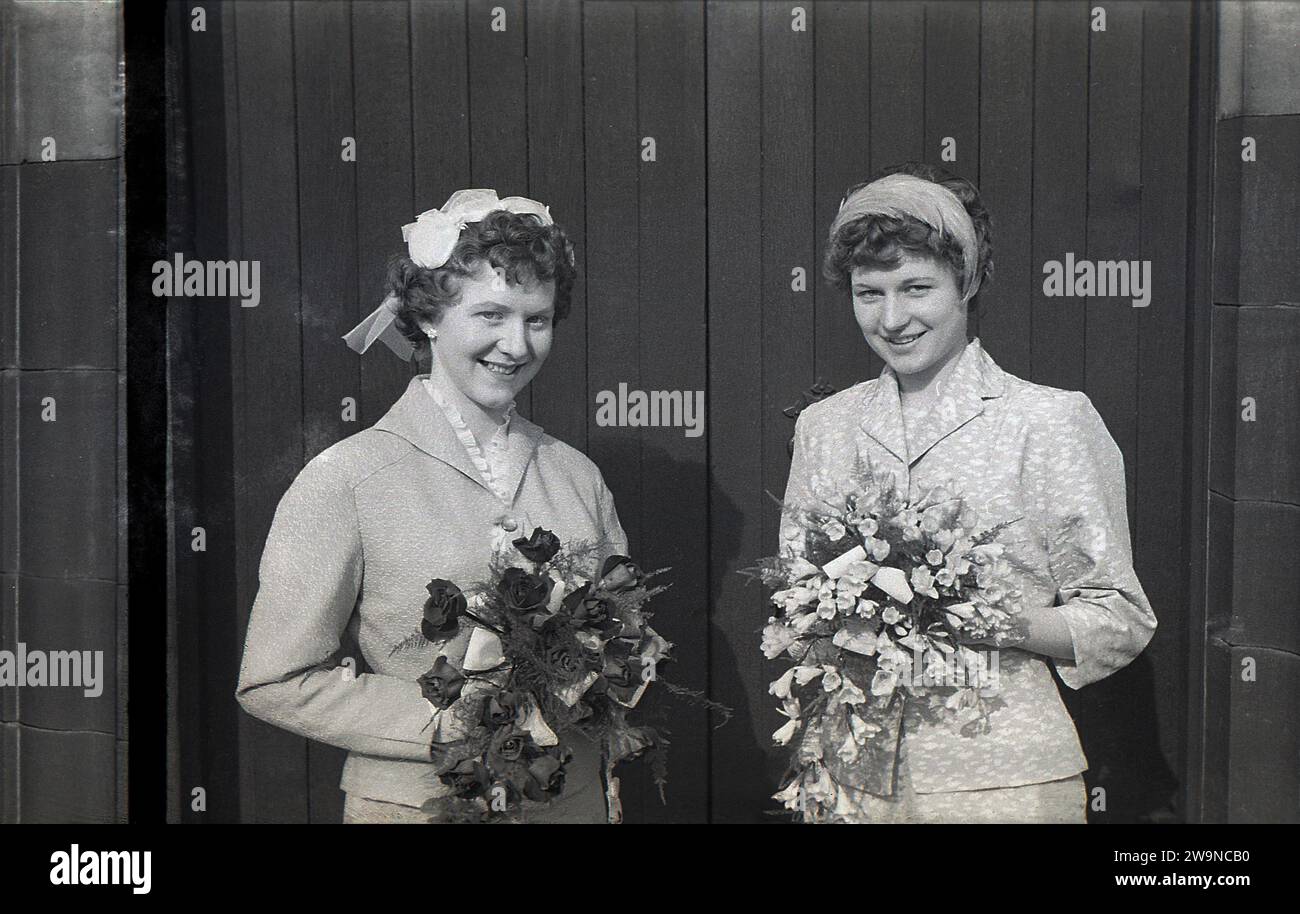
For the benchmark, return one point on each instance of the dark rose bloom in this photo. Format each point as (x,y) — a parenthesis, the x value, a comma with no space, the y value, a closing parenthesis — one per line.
(509,746)
(620,573)
(564,661)
(525,592)
(442,684)
(622,674)
(499,710)
(591,612)
(469,778)
(442,610)
(541,546)
(546,775)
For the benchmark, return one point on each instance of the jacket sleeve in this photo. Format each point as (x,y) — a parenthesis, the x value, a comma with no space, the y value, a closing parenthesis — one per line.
(798,491)
(1084,503)
(310,576)
(613,532)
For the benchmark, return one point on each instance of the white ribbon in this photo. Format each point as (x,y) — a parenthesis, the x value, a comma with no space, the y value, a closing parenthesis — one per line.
(430,239)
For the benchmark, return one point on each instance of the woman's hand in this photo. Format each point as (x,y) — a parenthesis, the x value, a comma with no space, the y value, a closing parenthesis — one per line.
(1014,637)
(1044,631)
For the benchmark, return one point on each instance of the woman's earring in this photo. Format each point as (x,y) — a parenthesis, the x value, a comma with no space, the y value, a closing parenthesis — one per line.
(432,335)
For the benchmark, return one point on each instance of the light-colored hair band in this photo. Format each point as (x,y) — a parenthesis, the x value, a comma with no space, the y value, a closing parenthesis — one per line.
(933,204)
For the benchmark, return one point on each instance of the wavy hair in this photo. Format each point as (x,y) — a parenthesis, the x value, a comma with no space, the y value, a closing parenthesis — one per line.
(880,241)
(519,243)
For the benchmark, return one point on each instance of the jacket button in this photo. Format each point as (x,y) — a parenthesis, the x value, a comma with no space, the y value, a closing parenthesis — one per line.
(509,525)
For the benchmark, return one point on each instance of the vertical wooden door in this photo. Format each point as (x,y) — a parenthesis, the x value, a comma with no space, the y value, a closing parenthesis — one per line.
(696,153)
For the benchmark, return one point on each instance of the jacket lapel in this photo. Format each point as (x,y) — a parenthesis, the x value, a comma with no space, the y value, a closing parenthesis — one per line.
(882,416)
(974,379)
(418,419)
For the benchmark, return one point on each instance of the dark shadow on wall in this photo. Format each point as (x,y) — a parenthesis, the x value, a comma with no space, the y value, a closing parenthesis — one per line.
(741,793)
(1117,723)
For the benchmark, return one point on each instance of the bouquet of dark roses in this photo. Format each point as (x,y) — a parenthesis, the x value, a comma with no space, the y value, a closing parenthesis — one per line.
(885,603)
(556,647)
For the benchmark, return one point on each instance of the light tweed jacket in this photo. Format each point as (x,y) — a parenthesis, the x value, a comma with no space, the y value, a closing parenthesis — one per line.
(1014,450)
(360,532)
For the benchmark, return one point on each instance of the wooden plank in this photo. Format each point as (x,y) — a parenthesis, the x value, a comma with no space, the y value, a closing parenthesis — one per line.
(440,101)
(842,121)
(1111,323)
(381,46)
(952,92)
(613,260)
(498,96)
(897,83)
(268,358)
(203,721)
(952,85)
(897,87)
(741,750)
(788,224)
(555,177)
(1060,184)
(327,219)
(1160,520)
(327,215)
(673,280)
(1006,181)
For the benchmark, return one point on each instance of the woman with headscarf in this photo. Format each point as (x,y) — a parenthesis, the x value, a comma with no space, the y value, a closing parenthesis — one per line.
(913,247)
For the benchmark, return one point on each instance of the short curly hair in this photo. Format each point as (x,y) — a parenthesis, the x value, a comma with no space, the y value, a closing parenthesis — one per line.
(518,243)
(880,240)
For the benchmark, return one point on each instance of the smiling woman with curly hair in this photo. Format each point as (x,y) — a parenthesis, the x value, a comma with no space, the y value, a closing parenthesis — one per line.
(426,493)
(912,247)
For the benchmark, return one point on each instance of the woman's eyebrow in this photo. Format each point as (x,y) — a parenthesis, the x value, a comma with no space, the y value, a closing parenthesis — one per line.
(919,277)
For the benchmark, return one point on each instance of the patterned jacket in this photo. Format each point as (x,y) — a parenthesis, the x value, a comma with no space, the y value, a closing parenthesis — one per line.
(360,532)
(1013,449)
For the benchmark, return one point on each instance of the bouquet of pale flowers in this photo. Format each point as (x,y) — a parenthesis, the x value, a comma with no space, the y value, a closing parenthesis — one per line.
(884,603)
(558,646)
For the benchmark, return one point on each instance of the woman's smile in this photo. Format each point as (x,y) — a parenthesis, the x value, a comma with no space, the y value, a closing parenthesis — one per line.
(503,369)
(912,315)
(902,343)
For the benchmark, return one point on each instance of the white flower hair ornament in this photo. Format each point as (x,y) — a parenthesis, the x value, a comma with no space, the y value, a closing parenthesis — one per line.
(430,239)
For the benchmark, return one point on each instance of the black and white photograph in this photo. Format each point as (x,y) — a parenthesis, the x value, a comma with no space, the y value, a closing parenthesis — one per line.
(688,412)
